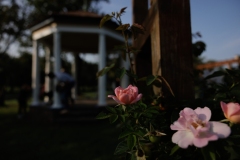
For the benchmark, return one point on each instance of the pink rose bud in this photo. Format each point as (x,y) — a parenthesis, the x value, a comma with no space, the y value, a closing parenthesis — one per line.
(231,111)
(128,95)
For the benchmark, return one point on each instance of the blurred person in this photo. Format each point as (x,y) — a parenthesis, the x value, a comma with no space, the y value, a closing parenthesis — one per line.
(65,84)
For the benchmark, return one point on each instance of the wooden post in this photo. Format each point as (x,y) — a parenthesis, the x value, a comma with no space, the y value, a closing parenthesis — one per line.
(140,12)
(168,27)
(171,46)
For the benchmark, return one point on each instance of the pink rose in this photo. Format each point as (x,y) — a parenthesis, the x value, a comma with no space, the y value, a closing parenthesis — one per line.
(128,95)
(194,128)
(231,111)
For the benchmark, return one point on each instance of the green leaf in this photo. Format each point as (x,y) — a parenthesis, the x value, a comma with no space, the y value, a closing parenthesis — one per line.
(121,72)
(149,115)
(174,149)
(105,70)
(130,74)
(119,110)
(124,108)
(125,133)
(142,79)
(136,115)
(208,153)
(122,117)
(113,118)
(220,96)
(235,91)
(152,110)
(139,133)
(123,27)
(150,79)
(121,148)
(105,19)
(111,109)
(102,115)
(131,141)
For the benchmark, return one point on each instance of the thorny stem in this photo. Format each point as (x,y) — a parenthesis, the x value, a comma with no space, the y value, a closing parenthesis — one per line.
(126,45)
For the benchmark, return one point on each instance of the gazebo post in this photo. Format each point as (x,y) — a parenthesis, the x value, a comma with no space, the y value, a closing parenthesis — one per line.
(48,69)
(35,73)
(57,67)
(74,71)
(101,65)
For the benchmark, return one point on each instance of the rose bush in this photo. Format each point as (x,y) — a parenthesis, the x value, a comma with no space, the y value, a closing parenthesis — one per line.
(231,111)
(128,95)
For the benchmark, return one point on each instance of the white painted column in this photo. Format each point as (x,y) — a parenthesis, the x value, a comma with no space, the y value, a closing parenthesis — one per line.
(57,67)
(102,63)
(74,70)
(47,85)
(35,74)
(125,79)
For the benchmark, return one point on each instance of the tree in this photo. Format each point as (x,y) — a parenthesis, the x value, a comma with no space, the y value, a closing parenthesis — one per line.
(12,23)
(43,8)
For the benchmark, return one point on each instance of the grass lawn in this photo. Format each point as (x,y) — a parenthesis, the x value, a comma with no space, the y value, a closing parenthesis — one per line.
(24,140)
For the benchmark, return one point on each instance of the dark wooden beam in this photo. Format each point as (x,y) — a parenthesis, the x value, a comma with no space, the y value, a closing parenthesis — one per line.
(171,46)
(147,23)
(140,10)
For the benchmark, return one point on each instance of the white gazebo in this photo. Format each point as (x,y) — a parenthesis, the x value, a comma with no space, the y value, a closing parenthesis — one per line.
(75,32)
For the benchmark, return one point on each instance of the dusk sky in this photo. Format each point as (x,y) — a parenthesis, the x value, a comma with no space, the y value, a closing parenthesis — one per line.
(218,21)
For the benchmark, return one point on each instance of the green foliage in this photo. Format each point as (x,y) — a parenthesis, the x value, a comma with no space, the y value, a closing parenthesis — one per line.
(208,153)
(105,70)
(131,141)
(105,19)
(174,149)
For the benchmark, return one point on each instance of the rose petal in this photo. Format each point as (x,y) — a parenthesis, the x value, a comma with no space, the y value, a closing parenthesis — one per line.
(115,99)
(232,108)
(135,91)
(118,90)
(124,98)
(222,130)
(224,108)
(204,114)
(189,114)
(180,124)
(200,142)
(137,99)
(183,138)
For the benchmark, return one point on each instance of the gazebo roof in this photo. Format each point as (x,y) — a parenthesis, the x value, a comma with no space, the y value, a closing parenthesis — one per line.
(79,31)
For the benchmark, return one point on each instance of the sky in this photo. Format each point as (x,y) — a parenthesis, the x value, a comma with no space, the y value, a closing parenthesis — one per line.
(218,21)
